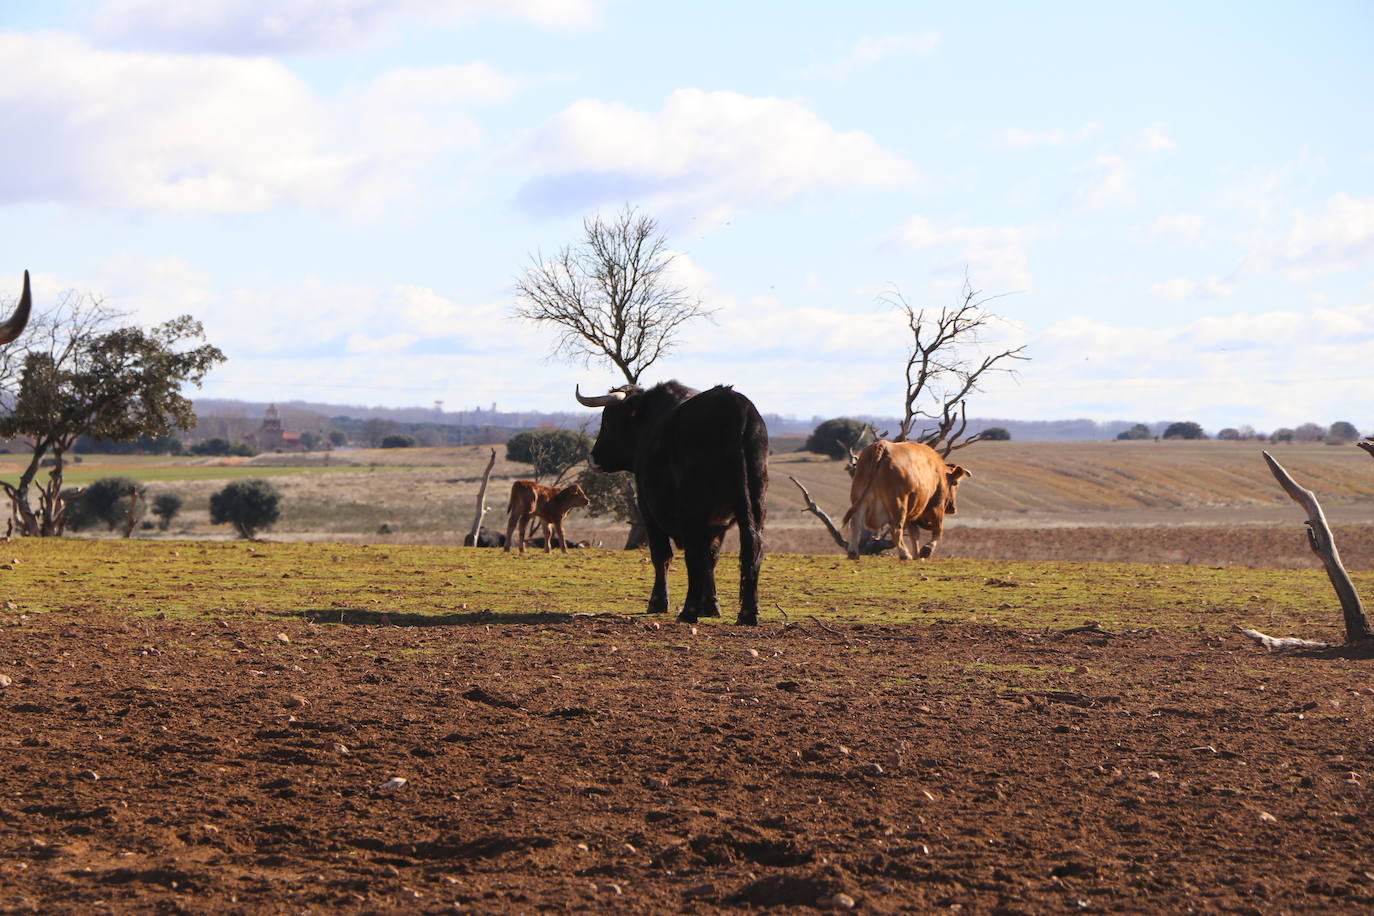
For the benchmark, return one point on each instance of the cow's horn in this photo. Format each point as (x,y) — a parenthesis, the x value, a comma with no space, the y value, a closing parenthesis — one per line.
(15,326)
(600,401)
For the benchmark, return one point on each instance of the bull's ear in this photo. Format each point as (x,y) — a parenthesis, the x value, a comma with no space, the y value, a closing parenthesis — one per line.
(957,472)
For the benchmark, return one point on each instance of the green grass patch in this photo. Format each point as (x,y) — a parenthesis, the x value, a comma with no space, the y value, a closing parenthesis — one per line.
(426,584)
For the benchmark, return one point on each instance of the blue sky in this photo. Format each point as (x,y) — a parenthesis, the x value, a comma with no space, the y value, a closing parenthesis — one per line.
(1177,200)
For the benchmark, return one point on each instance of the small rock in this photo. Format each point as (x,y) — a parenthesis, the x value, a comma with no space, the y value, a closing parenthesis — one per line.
(342,750)
(283,638)
(1268,818)
(754,653)
(6,680)
(91,775)
(295,700)
(701,890)
(836,902)
(394,783)
(510,779)
(11,606)
(612,889)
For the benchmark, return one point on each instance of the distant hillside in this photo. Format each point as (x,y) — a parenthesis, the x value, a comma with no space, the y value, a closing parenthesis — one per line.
(311,415)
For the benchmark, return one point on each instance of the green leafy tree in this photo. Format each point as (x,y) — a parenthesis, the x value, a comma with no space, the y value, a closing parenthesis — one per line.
(1139,431)
(338,437)
(996,434)
(81,375)
(835,437)
(1184,429)
(166,506)
(609,494)
(552,452)
(248,505)
(398,440)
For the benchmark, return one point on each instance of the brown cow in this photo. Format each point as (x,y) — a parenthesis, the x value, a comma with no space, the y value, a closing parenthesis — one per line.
(532,502)
(901,487)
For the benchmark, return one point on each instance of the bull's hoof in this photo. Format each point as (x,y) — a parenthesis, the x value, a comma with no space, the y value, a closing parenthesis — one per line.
(853,555)
(926,551)
(747,620)
(686,617)
(657,606)
(712,611)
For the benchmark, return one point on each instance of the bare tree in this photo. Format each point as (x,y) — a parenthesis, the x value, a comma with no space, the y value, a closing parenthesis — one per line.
(610,297)
(944,366)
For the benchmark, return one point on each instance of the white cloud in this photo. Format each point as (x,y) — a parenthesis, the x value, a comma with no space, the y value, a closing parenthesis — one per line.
(1268,369)
(1156,139)
(212,134)
(1184,225)
(1339,238)
(994,256)
(704,155)
(870,51)
(1017,138)
(284,26)
(1110,181)
(1182,288)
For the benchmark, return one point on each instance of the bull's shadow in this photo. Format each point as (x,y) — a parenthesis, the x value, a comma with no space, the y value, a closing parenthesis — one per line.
(357,617)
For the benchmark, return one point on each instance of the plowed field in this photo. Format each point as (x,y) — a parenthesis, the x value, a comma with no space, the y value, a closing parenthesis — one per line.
(285,750)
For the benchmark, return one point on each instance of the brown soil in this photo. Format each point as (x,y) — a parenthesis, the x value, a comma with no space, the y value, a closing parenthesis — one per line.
(620,765)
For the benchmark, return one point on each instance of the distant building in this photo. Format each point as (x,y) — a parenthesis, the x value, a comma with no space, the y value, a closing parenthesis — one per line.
(270,437)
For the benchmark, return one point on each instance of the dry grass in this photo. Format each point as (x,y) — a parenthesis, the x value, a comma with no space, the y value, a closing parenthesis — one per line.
(429,495)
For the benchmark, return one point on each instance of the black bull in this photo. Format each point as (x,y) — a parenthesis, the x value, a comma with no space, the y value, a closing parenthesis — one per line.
(700,462)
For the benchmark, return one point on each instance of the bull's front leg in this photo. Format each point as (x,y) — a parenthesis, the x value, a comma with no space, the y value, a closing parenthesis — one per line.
(660,555)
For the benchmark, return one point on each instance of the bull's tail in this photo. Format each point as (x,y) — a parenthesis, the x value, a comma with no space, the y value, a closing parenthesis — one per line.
(750,514)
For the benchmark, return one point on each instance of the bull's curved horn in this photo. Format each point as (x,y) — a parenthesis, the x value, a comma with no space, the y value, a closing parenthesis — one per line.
(600,400)
(15,326)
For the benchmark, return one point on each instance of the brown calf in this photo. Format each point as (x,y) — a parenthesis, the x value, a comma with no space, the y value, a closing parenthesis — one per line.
(531,502)
(901,486)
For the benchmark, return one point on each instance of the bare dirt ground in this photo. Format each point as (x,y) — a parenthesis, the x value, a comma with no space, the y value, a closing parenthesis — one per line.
(623,765)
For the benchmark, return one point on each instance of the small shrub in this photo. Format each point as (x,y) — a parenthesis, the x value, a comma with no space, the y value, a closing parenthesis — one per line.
(248,505)
(1139,431)
(1184,429)
(835,437)
(398,441)
(108,502)
(996,434)
(166,506)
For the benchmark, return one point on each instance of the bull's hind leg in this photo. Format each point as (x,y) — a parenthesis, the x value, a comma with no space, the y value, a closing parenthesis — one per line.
(750,560)
(660,555)
(702,553)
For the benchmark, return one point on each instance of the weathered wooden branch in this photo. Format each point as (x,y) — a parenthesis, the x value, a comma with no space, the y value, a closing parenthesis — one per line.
(1368,446)
(1323,544)
(482,500)
(869,546)
(820,514)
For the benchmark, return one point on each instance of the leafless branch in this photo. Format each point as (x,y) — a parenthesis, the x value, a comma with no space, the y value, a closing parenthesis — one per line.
(942,369)
(610,297)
